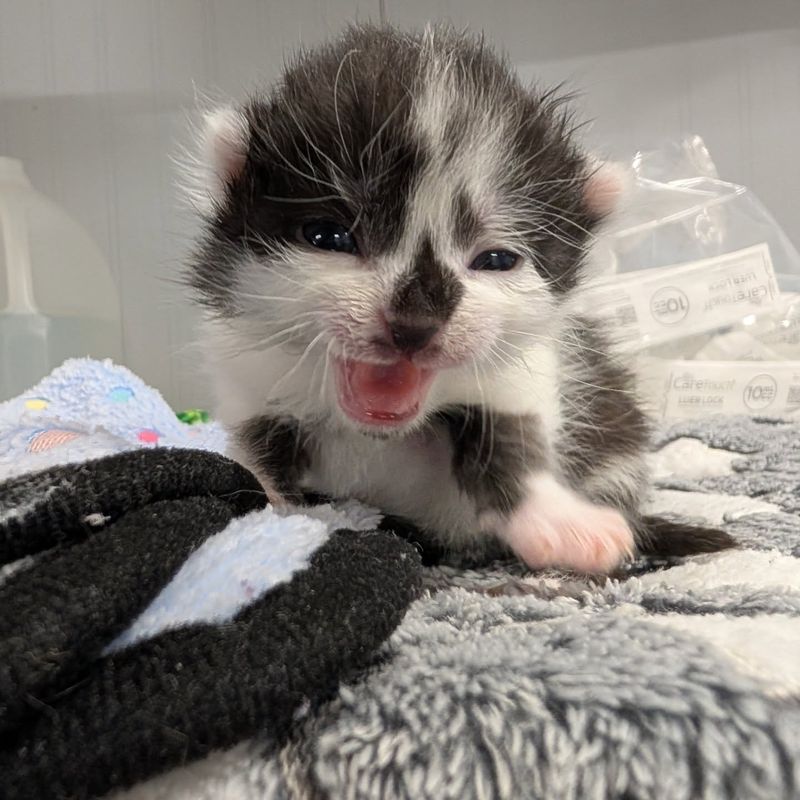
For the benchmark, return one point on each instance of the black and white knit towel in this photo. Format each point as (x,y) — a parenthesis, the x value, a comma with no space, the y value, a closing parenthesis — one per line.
(129,646)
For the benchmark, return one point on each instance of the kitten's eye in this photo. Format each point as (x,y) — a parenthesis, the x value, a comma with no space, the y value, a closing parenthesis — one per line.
(498,260)
(329,236)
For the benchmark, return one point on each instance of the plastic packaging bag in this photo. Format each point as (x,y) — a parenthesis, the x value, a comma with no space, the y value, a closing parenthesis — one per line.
(702,289)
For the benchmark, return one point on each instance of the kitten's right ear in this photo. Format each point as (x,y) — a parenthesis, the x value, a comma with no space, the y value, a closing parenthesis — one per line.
(605,184)
(223,144)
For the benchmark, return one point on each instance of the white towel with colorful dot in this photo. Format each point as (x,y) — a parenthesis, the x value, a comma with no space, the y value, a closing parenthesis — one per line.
(87,409)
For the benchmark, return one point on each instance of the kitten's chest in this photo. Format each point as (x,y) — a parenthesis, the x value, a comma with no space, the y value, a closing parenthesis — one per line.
(410,476)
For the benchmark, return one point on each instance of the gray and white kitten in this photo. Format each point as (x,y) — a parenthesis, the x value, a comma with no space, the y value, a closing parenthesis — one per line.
(392,239)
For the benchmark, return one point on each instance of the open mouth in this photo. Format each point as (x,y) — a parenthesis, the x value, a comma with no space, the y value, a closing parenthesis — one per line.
(381,394)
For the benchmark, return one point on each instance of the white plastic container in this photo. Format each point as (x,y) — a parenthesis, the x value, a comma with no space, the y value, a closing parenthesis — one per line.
(702,288)
(57,297)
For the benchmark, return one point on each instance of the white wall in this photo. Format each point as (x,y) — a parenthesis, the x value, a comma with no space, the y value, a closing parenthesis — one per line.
(93,96)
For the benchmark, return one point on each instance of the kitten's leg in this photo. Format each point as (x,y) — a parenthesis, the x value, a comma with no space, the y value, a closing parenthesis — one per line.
(505,465)
(553,526)
(272,448)
(604,433)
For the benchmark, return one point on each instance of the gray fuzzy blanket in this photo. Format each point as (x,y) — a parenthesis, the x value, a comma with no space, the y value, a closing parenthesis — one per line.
(670,681)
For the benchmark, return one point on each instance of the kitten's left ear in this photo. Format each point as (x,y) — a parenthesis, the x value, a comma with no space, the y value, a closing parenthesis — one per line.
(224,138)
(604,186)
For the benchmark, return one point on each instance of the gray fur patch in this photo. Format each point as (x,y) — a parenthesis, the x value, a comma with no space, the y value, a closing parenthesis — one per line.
(768,532)
(739,434)
(492,453)
(276,448)
(428,291)
(551,707)
(770,469)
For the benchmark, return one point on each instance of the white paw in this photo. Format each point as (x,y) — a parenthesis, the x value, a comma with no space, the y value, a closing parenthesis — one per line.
(554,527)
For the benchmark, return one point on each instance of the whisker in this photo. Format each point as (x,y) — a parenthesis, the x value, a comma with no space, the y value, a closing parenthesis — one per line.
(324,381)
(483,405)
(276,339)
(369,145)
(345,57)
(287,375)
(320,199)
(560,342)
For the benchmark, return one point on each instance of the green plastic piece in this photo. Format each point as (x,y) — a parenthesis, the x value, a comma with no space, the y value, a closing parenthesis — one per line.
(193,415)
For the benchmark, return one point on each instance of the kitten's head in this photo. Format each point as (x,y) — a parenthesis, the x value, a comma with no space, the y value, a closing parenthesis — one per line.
(400,208)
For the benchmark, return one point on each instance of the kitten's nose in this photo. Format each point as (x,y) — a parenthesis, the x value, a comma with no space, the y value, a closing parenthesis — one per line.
(411,337)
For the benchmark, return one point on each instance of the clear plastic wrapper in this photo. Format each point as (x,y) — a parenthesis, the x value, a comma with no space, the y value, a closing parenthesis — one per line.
(702,289)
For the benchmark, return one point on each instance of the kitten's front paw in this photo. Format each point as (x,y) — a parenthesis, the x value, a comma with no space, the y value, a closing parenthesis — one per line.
(554,527)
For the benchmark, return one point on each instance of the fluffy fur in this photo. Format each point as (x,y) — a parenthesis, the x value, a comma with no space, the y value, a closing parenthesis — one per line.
(430,151)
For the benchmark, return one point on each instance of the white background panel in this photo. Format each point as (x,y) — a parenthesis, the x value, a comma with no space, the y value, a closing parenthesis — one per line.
(94,96)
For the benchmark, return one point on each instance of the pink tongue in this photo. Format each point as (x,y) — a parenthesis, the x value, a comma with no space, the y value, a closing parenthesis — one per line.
(384,391)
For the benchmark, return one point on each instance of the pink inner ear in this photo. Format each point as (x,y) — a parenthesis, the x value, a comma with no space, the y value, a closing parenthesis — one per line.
(603,188)
(228,153)
(225,146)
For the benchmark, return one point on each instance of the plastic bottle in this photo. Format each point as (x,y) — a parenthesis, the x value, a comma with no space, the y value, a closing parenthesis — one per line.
(57,296)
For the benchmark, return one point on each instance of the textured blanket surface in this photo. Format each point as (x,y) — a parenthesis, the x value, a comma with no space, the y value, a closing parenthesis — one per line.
(675,680)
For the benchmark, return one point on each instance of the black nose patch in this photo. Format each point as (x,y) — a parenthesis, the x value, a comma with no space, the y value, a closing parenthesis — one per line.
(410,337)
(428,290)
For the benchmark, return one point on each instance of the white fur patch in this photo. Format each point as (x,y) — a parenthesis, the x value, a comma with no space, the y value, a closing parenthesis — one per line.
(755,569)
(554,527)
(231,569)
(409,476)
(240,773)
(766,647)
(30,505)
(714,508)
(691,459)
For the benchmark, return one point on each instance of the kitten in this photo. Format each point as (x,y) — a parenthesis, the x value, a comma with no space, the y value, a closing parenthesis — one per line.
(393,238)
